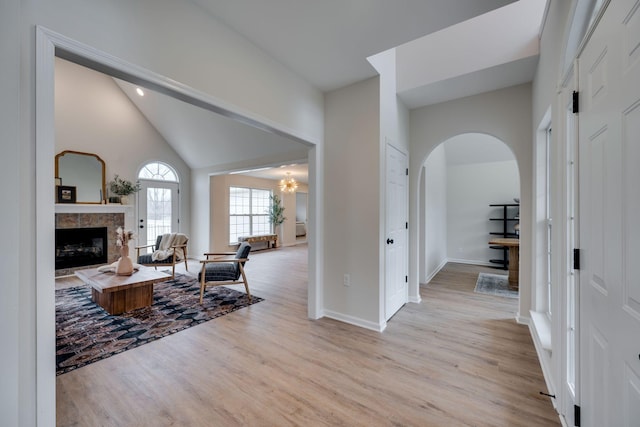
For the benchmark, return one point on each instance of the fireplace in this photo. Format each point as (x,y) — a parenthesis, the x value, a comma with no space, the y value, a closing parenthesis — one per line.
(77,247)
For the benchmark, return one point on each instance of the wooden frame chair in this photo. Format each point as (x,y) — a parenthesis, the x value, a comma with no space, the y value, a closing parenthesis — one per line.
(224,270)
(147,260)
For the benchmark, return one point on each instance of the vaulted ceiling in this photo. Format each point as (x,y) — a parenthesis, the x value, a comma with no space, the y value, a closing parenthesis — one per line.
(328,42)
(444,50)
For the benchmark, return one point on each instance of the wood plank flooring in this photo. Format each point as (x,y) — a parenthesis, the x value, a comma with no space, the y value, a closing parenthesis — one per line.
(456,359)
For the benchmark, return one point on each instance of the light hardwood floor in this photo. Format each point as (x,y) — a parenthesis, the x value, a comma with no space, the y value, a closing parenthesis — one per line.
(456,359)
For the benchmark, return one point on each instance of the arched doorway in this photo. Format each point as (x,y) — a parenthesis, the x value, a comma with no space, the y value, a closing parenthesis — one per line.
(460,179)
(158,201)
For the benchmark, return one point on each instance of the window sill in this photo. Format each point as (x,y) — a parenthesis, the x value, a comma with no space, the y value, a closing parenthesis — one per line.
(542,326)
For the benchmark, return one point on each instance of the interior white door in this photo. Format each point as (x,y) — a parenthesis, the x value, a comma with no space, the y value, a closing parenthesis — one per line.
(609,153)
(157,210)
(396,256)
(570,289)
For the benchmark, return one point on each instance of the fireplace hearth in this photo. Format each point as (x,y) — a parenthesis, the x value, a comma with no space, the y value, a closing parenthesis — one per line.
(77,247)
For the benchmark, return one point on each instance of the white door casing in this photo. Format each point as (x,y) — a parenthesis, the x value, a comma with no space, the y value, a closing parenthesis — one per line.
(396,255)
(609,155)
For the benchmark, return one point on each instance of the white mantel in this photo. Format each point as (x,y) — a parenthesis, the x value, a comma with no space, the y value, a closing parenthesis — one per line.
(127,210)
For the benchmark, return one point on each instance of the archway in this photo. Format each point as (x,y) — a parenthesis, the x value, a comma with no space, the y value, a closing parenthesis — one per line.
(459,180)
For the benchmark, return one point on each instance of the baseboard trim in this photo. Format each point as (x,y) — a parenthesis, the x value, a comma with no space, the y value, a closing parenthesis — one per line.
(356,321)
(436,271)
(471,261)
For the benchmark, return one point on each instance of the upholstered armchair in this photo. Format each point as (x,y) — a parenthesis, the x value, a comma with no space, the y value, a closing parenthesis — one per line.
(224,268)
(168,250)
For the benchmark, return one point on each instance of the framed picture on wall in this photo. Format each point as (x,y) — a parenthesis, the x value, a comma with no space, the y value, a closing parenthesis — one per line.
(65,194)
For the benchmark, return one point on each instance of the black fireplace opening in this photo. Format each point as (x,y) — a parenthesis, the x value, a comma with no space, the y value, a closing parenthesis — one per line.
(77,247)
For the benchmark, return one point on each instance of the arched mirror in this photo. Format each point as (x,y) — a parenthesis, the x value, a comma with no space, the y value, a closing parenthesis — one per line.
(85,172)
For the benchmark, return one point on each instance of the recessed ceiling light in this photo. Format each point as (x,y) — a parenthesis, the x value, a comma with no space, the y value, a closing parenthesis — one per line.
(140,92)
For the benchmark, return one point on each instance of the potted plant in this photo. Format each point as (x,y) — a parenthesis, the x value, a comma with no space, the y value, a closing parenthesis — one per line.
(123,188)
(276,215)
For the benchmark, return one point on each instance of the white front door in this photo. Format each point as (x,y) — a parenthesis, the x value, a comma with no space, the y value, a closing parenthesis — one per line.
(396,287)
(609,154)
(157,210)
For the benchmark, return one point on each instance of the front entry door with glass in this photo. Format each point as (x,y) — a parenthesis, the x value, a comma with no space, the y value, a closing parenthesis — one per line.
(157,202)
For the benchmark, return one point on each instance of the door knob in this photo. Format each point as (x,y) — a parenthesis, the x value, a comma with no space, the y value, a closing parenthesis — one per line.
(142,226)
(389,241)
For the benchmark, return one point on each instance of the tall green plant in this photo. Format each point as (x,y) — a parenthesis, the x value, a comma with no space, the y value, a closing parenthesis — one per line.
(276,211)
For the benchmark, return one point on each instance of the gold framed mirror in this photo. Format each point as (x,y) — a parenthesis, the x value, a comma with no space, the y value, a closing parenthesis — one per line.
(85,172)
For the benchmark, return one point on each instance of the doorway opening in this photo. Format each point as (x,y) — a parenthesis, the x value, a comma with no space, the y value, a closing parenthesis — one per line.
(49,46)
(460,180)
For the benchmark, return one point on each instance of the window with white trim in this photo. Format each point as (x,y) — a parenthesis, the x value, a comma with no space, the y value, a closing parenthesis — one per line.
(248,212)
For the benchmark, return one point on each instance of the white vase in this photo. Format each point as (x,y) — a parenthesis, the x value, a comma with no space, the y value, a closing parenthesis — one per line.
(124,267)
(124,200)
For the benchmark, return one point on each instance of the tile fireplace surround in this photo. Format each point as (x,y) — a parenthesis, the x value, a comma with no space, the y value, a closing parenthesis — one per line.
(82,216)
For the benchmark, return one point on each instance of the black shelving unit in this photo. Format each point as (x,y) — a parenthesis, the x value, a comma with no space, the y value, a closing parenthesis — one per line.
(510,217)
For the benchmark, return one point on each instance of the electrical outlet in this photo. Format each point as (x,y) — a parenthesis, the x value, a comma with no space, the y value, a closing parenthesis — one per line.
(347,279)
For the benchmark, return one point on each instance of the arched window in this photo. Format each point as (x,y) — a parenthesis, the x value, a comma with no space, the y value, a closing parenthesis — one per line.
(158,204)
(157,171)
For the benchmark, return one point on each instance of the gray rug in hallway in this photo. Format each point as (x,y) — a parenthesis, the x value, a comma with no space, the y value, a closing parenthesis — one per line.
(86,333)
(494,284)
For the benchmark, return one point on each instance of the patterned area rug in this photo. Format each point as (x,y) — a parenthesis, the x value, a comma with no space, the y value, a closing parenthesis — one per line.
(494,284)
(86,333)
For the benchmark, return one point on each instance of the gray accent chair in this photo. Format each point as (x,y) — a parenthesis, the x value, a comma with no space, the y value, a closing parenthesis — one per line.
(224,270)
(147,260)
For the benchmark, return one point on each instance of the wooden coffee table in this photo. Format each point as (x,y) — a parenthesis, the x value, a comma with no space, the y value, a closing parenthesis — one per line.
(118,294)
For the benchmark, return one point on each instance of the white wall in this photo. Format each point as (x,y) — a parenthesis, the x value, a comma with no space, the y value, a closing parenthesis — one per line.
(14,408)
(177,40)
(352,203)
(434,203)
(166,37)
(301,207)
(93,115)
(471,188)
(548,74)
(394,130)
(504,114)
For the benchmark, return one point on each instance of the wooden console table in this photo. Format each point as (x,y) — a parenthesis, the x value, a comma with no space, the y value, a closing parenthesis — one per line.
(261,238)
(118,294)
(514,259)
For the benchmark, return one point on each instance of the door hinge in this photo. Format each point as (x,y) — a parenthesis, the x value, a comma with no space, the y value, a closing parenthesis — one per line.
(576,415)
(407,171)
(406,279)
(576,259)
(576,102)
(406,225)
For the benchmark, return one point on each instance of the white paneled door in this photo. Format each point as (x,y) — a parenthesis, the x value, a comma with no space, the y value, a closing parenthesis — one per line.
(609,171)
(396,255)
